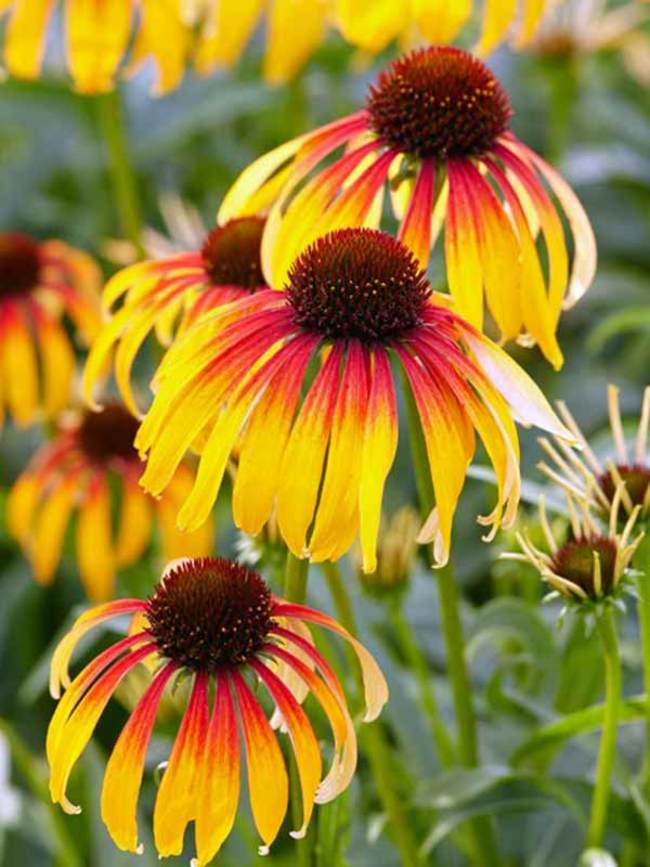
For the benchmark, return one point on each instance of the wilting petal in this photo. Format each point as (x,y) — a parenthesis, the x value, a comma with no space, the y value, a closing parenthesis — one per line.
(50,526)
(134,526)
(375,687)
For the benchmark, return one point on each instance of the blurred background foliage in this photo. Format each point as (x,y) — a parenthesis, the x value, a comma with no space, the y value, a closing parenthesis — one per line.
(591,116)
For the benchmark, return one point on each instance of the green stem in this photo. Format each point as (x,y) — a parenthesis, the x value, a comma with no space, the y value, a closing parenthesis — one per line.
(418,664)
(66,852)
(642,566)
(607,752)
(373,736)
(485,847)
(295,590)
(295,578)
(123,181)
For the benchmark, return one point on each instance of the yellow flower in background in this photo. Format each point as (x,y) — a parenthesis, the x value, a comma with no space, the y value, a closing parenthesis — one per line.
(596,477)
(97,35)
(300,383)
(435,132)
(166,295)
(218,623)
(294,29)
(101,37)
(42,284)
(74,473)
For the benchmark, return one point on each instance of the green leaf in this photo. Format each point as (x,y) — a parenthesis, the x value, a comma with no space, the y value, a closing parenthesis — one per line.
(552,737)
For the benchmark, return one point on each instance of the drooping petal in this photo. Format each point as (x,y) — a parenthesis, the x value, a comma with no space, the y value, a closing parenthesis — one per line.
(439,20)
(50,526)
(306,449)
(303,740)
(218,786)
(176,803)
(18,364)
(176,543)
(337,515)
(82,682)
(499,251)
(57,362)
(371,26)
(333,703)
(81,723)
(268,783)
(378,454)
(291,39)
(462,250)
(260,457)
(123,775)
(84,623)
(415,231)
(585,256)
(134,525)
(223,436)
(25,36)
(375,687)
(449,444)
(94,542)
(527,402)
(558,259)
(497,18)
(97,35)
(535,310)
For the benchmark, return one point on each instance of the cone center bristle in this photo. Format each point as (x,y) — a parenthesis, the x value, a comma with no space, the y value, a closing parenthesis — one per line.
(20,264)
(357,283)
(575,562)
(109,434)
(210,614)
(439,102)
(231,253)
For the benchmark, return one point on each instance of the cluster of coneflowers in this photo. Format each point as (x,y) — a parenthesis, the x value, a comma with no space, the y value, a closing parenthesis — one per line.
(288,335)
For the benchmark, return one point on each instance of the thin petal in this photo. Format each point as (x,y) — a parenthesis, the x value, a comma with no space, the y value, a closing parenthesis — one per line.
(303,740)
(123,775)
(218,785)
(375,687)
(379,447)
(176,802)
(94,543)
(134,526)
(415,231)
(268,783)
(304,455)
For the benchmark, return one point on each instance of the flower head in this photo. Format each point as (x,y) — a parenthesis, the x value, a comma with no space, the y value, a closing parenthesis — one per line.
(98,37)
(435,130)
(168,294)
(74,472)
(218,623)
(41,283)
(591,564)
(586,476)
(355,303)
